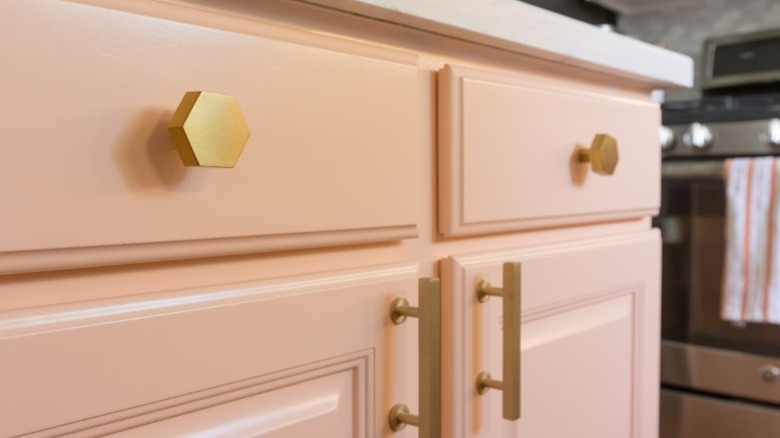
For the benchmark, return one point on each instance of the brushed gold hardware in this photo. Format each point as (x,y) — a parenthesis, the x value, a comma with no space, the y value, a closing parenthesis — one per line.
(400,417)
(400,309)
(602,154)
(510,384)
(485,381)
(485,291)
(429,346)
(209,130)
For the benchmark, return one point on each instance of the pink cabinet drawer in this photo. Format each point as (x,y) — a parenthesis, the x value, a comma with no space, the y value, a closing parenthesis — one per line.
(509,146)
(333,156)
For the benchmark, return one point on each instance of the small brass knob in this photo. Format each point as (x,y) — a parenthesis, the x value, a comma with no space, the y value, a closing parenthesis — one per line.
(209,130)
(602,154)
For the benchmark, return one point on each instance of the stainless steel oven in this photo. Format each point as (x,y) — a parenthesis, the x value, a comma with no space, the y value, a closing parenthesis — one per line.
(719,379)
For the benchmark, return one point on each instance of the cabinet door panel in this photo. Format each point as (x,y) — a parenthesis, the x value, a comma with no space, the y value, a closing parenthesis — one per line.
(577,372)
(589,340)
(318,407)
(227,357)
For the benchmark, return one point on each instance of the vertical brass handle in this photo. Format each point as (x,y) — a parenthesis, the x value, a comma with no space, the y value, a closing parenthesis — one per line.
(429,314)
(510,383)
(602,154)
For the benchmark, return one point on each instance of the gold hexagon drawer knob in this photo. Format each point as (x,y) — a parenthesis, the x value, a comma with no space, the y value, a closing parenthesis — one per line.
(602,154)
(209,129)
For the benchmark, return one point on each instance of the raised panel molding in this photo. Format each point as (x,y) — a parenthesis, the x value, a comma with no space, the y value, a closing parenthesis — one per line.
(507,162)
(18,262)
(279,401)
(109,365)
(276,401)
(581,362)
(587,328)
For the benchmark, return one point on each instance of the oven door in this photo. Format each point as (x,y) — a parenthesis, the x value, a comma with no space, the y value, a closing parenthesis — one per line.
(689,415)
(692,221)
(702,355)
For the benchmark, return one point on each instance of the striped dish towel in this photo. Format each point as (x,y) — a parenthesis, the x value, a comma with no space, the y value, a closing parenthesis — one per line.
(751,272)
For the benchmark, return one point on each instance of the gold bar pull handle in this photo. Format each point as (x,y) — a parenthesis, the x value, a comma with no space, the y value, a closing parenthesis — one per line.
(429,314)
(510,384)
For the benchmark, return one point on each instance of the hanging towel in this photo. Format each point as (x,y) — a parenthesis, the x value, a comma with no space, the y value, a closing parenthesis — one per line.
(751,272)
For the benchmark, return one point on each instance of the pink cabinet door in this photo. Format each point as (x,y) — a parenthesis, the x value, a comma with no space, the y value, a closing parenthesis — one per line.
(306,356)
(589,341)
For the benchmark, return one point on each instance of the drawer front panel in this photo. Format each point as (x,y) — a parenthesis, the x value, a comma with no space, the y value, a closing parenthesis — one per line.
(333,155)
(509,150)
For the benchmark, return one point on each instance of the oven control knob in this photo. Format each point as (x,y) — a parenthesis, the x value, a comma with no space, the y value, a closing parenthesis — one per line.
(769,373)
(773,133)
(698,136)
(666,137)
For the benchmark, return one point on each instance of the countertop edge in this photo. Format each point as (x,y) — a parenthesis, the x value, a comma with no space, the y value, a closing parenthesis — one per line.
(523,28)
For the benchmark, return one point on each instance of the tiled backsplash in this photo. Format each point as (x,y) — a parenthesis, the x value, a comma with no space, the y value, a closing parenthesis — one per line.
(685,29)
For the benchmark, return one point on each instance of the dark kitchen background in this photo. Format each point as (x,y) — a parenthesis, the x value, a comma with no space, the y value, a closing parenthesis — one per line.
(679,25)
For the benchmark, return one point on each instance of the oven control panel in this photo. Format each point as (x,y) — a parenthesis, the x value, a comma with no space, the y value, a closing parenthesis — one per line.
(752,137)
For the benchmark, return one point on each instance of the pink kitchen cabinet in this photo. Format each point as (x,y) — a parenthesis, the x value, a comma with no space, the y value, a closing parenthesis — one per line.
(301,356)
(589,340)
(334,159)
(540,123)
(140,297)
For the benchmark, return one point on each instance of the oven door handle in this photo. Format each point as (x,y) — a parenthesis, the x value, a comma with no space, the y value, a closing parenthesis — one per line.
(699,170)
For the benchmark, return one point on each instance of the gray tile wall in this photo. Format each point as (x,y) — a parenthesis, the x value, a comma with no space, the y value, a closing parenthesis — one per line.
(685,29)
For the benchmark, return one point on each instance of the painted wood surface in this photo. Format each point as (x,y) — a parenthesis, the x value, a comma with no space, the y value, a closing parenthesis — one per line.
(589,347)
(281,356)
(320,406)
(181,348)
(332,158)
(508,149)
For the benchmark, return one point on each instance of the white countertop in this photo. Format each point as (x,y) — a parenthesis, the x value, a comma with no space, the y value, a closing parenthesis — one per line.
(523,28)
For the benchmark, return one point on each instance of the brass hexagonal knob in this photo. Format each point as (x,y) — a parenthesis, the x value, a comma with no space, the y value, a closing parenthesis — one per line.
(209,130)
(602,154)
